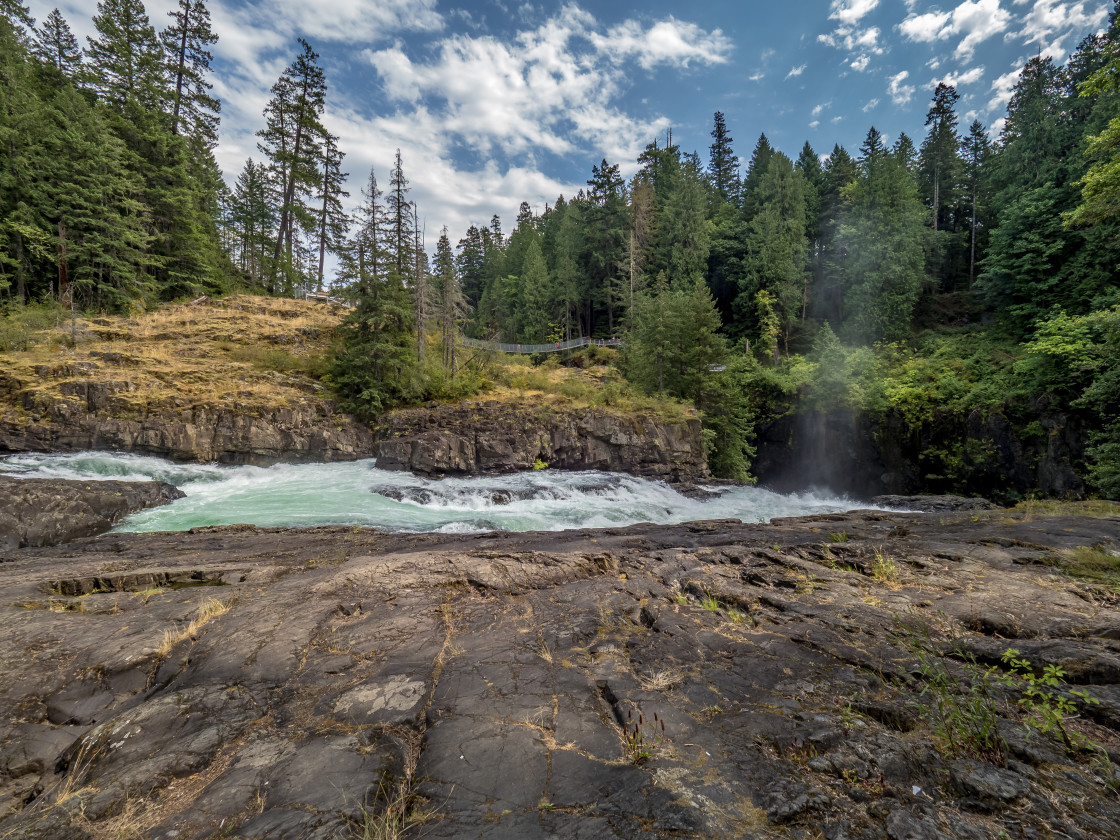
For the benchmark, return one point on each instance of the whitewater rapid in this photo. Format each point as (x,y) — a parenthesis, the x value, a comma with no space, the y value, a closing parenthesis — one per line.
(357,493)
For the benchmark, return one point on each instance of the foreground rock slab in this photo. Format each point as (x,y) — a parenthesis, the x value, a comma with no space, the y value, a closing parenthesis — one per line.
(714,679)
(49,511)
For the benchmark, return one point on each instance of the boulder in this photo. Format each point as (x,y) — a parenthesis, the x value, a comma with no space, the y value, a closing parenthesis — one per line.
(49,511)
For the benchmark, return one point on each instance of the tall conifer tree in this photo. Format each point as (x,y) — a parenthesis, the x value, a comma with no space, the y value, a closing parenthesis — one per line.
(194,111)
(55,44)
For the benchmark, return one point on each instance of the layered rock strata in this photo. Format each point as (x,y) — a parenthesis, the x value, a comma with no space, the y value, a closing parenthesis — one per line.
(708,680)
(492,437)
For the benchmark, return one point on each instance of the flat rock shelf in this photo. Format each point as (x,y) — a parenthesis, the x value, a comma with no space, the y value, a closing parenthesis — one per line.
(712,679)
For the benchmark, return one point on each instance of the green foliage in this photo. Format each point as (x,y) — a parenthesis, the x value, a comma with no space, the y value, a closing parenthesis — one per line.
(882,233)
(962,707)
(1093,565)
(24,326)
(1047,709)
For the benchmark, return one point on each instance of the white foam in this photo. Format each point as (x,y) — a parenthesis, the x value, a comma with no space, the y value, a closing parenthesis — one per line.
(351,493)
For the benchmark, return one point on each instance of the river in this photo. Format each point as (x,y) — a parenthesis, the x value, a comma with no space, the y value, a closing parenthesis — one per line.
(357,493)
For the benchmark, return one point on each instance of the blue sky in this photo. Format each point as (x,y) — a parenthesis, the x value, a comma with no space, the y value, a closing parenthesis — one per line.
(493,102)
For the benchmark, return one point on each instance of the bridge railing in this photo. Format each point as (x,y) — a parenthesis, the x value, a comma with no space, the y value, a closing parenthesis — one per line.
(570,344)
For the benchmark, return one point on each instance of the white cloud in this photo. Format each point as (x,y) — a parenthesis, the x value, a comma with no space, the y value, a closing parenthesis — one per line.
(668,41)
(814,123)
(851,11)
(818,108)
(899,92)
(796,71)
(553,87)
(836,119)
(861,43)
(1004,86)
(968,77)
(1049,23)
(347,21)
(757,77)
(874,103)
(975,20)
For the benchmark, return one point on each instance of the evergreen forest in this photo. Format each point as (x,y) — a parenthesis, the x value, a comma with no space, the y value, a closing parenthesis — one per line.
(925,280)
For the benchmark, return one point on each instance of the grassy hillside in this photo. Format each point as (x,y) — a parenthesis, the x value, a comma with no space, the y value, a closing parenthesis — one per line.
(249,354)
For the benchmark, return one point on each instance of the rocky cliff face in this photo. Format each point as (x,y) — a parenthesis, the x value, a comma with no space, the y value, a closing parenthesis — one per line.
(88,416)
(492,437)
(866,455)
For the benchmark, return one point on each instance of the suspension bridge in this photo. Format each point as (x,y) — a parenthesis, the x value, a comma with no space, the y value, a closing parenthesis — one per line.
(570,344)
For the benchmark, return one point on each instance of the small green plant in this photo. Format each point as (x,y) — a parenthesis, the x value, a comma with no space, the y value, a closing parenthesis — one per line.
(539,464)
(710,603)
(872,787)
(838,536)
(642,737)
(801,751)
(681,598)
(963,711)
(546,806)
(1046,708)
(885,570)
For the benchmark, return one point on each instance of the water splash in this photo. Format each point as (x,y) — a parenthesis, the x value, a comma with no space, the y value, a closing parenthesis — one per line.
(357,493)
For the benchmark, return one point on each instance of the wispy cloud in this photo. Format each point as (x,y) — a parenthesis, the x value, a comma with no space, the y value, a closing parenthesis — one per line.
(1050,23)
(899,92)
(796,71)
(965,77)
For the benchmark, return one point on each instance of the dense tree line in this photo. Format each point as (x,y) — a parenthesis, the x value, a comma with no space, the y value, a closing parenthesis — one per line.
(715,272)
(109,192)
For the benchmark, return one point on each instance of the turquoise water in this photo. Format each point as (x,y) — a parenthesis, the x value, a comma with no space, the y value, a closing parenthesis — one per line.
(357,493)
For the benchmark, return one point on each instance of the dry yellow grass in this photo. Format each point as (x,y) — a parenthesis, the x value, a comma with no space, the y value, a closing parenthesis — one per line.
(209,609)
(241,352)
(252,355)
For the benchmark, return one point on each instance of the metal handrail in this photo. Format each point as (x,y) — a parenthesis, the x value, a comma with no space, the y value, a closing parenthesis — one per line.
(570,344)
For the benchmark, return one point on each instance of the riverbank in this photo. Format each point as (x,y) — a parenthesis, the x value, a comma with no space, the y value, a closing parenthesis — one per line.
(238,381)
(713,679)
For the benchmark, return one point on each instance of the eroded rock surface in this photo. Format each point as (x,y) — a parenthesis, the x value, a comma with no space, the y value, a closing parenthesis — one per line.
(712,680)
(48,511)
(492,437)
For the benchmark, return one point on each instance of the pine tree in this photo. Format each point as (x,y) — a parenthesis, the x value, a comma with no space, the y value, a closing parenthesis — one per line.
(253,220)
(840,172)
(683,225)
(939,162)
(883,246)
(194,111)
(56,45)
(125,61)
(333,221)
(777,249)
(809,165)
(605,223)
(375,366)
(452,306)
(723,166)
(369,238)
(291,140)
(18,18)
(760,160)
(469,262)
(975,152)
(401,223)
